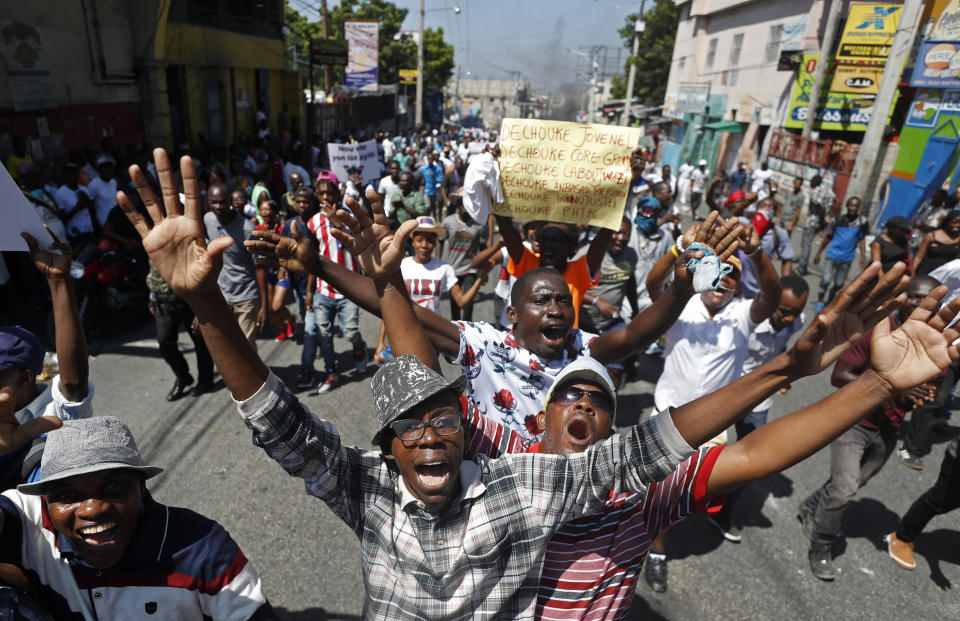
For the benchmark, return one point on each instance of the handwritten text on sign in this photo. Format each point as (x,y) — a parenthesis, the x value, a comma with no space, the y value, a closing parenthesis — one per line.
(565,172)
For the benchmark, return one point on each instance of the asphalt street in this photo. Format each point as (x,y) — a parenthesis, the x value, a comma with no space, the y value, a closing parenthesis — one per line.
(309,560)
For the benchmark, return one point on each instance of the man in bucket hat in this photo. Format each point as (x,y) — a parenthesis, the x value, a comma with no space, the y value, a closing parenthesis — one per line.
(444,537)
(98,546)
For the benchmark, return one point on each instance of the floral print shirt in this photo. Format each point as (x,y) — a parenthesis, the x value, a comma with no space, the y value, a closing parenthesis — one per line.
(507,382)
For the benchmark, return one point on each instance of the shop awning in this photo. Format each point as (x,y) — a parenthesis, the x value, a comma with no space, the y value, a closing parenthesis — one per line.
(725,126)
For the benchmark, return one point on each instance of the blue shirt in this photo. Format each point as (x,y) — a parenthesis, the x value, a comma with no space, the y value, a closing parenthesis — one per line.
(845,233)
(737,180)
(432,178)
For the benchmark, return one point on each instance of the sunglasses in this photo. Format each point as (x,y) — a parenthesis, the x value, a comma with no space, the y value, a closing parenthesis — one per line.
(410,430)
(568,395)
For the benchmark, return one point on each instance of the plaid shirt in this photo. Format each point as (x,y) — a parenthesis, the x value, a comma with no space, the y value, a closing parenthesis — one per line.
(478,559)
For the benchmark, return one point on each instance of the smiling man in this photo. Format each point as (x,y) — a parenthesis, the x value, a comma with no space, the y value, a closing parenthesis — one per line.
(98,546)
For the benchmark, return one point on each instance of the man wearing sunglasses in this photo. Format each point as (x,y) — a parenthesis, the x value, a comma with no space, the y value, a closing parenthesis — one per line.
(442,537)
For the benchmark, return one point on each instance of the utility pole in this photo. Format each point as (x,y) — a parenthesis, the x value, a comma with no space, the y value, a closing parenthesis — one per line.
(832,8)
(419,117)
(638,28)
(310,106)
(860,179)
(595,59)
(326,68)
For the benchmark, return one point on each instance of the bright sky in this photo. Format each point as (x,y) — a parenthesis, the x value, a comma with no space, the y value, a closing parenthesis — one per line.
(494,37)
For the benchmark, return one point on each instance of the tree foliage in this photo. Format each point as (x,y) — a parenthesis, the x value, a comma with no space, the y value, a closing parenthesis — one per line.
(395,54)
(654,55)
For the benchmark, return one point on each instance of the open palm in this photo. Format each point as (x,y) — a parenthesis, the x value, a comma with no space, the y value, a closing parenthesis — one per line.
(175,242)
(920,348)
(860,306)
(295,254)
(377,250)
(50,264)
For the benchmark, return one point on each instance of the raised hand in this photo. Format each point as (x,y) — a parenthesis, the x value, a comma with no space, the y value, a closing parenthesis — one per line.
(175,241)
(920,348)
(296,254)
(749,239)
(13,435)
(376,249)
(721,236)
(859,306)
(50,264)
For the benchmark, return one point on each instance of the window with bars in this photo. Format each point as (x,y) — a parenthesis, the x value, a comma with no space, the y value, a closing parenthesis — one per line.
(711,53)
(735,50)
(772,51)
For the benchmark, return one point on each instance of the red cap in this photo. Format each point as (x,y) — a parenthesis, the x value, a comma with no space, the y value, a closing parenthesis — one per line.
(734,196)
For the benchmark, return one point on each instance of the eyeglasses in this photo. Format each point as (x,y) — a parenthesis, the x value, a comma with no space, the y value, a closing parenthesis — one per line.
(410,429)
(568,395)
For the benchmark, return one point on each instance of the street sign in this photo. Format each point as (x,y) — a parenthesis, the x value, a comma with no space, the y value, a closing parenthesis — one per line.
(693,98)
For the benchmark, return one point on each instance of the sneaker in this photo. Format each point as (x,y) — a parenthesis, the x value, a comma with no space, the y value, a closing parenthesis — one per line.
(818,307)
(655,572)
(327,384)
(291,328)
(730,531)
(821,562)
(901,552)
(282,336)
(361,358)
(305,380)
(910,460)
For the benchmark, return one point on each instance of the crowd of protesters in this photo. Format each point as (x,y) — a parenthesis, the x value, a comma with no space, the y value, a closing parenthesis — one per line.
(504,492)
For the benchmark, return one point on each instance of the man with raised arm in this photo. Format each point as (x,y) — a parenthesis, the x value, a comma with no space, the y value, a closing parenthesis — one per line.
(510,372)
(441,537)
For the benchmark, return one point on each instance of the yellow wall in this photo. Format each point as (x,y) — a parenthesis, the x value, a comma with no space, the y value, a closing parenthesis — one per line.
(210,53)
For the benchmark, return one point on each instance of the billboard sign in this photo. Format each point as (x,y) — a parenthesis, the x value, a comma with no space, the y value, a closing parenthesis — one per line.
(693,98)
(363,44)
(868,33)
(857,79)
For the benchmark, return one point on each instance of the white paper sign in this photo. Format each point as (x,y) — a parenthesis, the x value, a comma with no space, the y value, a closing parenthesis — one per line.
(363,155)
(19,217)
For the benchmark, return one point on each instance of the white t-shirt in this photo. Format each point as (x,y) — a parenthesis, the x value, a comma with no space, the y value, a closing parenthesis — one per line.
(685,171)
(389,149)
(703,354)
(758,182)
(387,188)
(104,195)
(426,283)
(80,221)
(509,383)
(764,344)
(698,180)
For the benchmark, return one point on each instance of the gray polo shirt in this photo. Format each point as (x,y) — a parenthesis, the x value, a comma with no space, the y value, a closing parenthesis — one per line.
(238,279)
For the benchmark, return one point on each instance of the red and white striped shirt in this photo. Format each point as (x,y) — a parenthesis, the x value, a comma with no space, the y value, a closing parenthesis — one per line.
(329,247)
(591,564)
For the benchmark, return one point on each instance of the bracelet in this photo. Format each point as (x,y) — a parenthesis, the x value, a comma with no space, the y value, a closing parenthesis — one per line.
(675,251)
(755,251)
(594,302)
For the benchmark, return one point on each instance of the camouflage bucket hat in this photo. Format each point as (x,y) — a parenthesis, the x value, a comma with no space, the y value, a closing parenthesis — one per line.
(403,383)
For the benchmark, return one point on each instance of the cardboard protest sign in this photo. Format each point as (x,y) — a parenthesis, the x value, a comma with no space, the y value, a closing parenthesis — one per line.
(565,172)
(19,217)
(363,155)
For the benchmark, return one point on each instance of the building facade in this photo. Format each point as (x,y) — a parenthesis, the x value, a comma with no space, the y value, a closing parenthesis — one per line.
(148,72)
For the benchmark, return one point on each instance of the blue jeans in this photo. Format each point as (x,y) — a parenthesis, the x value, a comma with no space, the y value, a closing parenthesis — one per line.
(309,353)
(834,274)
(326,310)
(750,422)
(806,244)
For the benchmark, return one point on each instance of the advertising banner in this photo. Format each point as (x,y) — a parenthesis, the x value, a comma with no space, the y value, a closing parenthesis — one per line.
(565,172)
(841,111)
(858,79)
(937,65)
(693,97)
(28,73)
(868,33)
(947,27)
(363,43)
(408,76)
(929,104)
